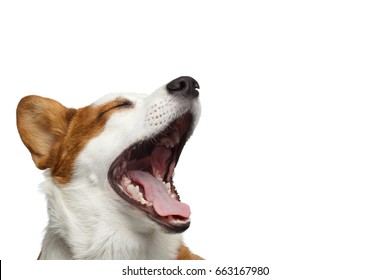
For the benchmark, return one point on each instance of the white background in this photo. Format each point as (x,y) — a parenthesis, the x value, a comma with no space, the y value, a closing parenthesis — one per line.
(289,166)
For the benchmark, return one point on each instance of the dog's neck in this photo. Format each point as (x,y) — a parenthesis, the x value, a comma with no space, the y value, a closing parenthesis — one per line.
(117,246)
(94,230)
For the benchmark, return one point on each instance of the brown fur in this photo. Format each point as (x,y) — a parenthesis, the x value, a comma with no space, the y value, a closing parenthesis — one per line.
(185,254)
(55,135)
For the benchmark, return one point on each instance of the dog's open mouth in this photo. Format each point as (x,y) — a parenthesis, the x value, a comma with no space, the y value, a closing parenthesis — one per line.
(143,175)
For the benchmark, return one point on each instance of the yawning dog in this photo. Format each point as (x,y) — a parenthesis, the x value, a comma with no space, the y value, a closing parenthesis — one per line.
(109,179)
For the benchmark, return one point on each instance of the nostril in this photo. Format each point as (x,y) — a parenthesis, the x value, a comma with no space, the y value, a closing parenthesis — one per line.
(183,86)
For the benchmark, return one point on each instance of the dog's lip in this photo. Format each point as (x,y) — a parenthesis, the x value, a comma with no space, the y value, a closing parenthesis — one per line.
(172,223)
(169,223)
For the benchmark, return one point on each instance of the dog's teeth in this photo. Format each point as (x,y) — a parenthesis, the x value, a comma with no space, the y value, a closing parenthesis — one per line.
(163,141)
(168,187)
(176,137)
(142,200)
(130,190)
(167,142)
(135,193)
(126,181)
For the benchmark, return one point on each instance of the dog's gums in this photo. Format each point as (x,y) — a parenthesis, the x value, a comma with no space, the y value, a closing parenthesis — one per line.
(143,175)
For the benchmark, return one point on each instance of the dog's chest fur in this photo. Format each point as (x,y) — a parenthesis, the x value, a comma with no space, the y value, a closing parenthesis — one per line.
(89,233)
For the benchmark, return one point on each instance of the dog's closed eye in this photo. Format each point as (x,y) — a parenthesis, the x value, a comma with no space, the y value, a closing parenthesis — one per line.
(119,104)
(123,103)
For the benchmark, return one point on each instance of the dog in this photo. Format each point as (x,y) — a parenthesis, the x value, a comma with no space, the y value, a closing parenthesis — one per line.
(109,172)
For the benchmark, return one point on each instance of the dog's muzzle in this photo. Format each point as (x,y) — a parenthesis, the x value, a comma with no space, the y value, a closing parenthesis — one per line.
(143,173)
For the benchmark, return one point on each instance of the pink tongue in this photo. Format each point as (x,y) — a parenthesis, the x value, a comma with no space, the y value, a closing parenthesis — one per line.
(155,192)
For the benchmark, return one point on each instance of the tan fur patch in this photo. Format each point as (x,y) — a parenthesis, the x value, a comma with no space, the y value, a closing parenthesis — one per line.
(185,254)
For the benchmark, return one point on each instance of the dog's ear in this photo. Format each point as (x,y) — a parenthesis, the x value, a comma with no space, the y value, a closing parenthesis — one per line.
(42,124)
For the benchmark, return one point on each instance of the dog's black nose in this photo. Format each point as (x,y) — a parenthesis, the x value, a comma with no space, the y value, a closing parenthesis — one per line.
(184,86)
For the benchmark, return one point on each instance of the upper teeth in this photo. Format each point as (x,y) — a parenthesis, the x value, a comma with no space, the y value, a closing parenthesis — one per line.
(171,140)
(167,142)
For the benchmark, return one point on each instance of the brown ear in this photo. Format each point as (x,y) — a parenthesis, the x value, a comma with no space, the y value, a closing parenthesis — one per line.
(42,123)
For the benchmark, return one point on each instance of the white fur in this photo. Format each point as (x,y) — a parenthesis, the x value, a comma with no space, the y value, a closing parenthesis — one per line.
(87,219)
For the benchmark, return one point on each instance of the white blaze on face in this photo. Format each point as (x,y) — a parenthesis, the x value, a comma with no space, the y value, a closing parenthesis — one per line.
(149,115)
(132,159)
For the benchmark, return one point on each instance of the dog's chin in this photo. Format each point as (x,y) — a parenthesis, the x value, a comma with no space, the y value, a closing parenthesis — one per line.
(142,175)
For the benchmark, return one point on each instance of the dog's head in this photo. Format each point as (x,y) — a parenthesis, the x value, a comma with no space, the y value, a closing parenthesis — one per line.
(123,147)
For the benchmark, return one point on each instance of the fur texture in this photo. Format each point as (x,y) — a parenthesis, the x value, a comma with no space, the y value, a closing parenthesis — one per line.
(87,219)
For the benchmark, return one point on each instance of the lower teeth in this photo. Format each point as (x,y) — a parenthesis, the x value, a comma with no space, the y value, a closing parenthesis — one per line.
(134,192)
(137,195)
